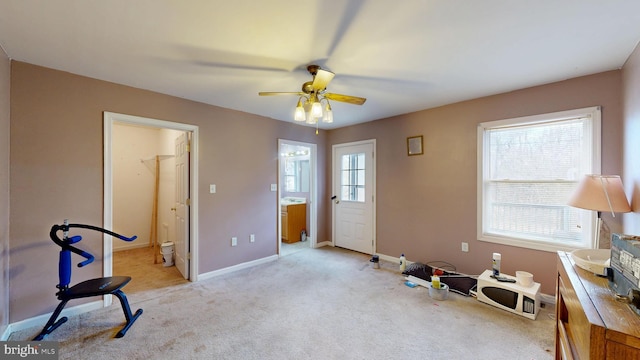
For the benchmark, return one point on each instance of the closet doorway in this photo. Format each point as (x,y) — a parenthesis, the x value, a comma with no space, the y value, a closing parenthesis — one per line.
(142,197)
(297,193)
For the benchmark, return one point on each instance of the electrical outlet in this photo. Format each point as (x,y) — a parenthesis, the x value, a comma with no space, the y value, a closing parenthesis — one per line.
(465,247)
(234,241)
(252,238)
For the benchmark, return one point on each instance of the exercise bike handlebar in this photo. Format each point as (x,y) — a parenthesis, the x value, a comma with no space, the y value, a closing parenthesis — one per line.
(66,242)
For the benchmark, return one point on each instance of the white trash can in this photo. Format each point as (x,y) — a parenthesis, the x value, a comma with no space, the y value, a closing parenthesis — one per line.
(166,249)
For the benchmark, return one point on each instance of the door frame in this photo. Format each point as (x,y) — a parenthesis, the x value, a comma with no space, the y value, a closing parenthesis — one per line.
(109,118)
(373,189)
(313,192)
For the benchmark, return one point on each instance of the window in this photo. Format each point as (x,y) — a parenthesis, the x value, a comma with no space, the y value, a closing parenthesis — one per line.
(352,177)
(296,175)
(527,169)
(290,175)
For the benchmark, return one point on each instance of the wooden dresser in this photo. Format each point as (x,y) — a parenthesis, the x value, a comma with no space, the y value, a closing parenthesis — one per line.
(590,323)
(294,220)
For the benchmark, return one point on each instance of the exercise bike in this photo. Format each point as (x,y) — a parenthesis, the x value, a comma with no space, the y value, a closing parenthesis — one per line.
(94,287)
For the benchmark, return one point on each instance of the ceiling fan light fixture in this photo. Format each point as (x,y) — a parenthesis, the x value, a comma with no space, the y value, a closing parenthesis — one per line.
(308,111)
(311,119)
(316,110)
(299,113)
(310,108)
(327,117)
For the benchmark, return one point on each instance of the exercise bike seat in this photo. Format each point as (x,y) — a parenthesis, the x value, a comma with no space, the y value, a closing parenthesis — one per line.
(95,287)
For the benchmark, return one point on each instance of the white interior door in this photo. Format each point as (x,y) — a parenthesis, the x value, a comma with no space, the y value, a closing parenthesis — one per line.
(353,182)
(182,205)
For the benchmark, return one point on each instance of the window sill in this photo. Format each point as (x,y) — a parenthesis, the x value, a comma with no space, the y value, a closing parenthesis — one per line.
(528,244)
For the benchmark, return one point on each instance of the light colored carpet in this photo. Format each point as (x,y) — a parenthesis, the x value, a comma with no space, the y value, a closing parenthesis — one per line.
(323,303)
(288,249)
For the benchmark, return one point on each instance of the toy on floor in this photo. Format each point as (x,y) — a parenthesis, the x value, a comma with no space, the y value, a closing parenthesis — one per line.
(94,287)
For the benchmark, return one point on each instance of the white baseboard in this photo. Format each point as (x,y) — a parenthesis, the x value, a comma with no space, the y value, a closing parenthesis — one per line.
(233,268)
(548,299)
(131,247)
(41,320)
(391,259)
(5,334)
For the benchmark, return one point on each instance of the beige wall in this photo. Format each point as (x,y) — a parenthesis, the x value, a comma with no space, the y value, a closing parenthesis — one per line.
(57,168)
(5,76)
(631,174)
(426,205)
(133,182)
(134,149)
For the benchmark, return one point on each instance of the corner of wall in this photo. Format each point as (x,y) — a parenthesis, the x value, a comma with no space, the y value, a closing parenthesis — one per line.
(5,97)
(631,147)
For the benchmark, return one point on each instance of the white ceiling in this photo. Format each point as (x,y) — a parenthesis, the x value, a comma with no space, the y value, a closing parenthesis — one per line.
(402,56)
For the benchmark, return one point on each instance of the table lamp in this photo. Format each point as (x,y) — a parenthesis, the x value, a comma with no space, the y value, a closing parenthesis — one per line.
(600,193)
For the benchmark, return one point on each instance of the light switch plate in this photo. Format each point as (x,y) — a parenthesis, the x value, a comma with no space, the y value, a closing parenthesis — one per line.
(212,188)
(274,187)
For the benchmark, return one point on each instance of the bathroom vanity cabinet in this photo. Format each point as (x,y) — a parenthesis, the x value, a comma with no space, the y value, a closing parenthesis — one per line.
(294,220)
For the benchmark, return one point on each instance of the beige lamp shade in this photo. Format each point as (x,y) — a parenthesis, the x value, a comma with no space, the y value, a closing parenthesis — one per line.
(600,193)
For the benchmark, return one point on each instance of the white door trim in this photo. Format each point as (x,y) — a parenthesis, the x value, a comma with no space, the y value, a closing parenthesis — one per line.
(313,192)
(333,174)
(109,119)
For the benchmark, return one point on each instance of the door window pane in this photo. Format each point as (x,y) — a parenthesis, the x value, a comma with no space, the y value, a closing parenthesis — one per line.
(352,177)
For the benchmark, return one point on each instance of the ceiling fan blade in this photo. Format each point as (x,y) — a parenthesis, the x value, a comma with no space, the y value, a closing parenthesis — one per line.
(322,79)
(203,56)
(271,93)
(331,32)
(345,98)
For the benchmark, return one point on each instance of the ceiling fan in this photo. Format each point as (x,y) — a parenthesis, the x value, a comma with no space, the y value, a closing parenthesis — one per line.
(314,93)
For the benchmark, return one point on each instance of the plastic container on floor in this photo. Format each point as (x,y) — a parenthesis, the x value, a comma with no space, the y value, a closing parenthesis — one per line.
(441,293)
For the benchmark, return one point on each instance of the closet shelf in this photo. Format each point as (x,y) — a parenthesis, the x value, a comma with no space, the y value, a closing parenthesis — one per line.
(160,157)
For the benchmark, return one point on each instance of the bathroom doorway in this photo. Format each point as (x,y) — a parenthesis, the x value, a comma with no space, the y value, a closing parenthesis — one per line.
(297,223)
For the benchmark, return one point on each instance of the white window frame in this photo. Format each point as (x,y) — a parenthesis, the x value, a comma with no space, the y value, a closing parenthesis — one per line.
(589,218)
(356,191)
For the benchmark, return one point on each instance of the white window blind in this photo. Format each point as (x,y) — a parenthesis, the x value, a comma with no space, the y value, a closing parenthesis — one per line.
(528,168)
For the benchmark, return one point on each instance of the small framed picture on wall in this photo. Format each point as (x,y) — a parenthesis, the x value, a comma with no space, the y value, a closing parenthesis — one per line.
(414,145)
